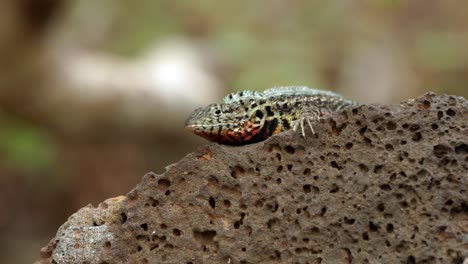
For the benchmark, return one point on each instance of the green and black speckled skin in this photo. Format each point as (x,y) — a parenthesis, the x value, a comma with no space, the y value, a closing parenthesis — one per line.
(249,117)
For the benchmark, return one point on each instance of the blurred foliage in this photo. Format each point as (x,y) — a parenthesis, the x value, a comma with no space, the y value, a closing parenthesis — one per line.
(24,146)
(268,43)
(441,50)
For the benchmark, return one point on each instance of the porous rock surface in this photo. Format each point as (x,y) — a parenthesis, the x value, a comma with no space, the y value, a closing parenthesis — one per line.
(376,184)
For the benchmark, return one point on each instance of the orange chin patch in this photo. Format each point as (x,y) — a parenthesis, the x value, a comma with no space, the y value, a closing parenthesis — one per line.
(229,136)
(238,136)
(225,137)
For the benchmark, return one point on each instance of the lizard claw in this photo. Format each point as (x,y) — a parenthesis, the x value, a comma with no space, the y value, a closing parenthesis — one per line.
(313,114)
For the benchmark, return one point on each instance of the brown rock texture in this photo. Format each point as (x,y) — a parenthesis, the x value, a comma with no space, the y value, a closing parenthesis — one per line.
(376,184)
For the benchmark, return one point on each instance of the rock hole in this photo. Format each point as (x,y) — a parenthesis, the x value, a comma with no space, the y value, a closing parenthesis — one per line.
(323,211)
(279,169)
(273,207)
(450,112)
(441,150)
(289,166)
(389,147)
(274,148)
(426,104)
(440,114)
(417,137)
(334,188)
(363,130)
(373,227)
(153,202)
(349,145)
(461,209)
(259,203)
(227,203)
(381,207)
(123,218)
(365,236)
(163,184)
(363,168)
(415,127)
(248,230)
(306,171)
(163,226)
(385,187)
(212,202)
(204,237)
(290,149)
(237,171)
(378,169)
(461,149)
(391,125)
(389,228)
(349,221)
(367,140)
(314,230)
(271,223)
(107,245)
(335,165)
(142,237)
(168,246)
(278,156)
(144,226)
(176,232)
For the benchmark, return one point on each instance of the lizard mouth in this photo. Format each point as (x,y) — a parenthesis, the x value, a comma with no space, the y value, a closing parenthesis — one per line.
(192,127)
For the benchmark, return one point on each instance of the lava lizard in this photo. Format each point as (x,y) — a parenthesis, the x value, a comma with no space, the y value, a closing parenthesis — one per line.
(248,117)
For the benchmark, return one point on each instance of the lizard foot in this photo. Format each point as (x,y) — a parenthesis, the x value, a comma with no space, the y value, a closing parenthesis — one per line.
(307,116)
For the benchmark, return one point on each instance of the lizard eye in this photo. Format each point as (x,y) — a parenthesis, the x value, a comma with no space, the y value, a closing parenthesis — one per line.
(218,112)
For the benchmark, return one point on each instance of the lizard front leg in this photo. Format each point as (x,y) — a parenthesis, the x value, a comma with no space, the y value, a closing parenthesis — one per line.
(306,115)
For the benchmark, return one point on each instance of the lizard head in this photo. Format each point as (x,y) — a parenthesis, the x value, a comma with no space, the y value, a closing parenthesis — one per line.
(211,121)
(225,123)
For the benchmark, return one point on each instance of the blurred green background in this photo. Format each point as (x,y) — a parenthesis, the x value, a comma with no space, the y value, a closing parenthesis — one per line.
(93,94)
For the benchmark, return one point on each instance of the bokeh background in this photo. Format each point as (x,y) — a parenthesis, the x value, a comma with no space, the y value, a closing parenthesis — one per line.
(93,94)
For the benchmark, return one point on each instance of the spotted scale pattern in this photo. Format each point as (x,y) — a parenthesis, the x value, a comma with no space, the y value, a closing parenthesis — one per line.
(249,117)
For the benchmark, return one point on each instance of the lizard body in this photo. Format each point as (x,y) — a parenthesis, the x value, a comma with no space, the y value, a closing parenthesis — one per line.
(248,117)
